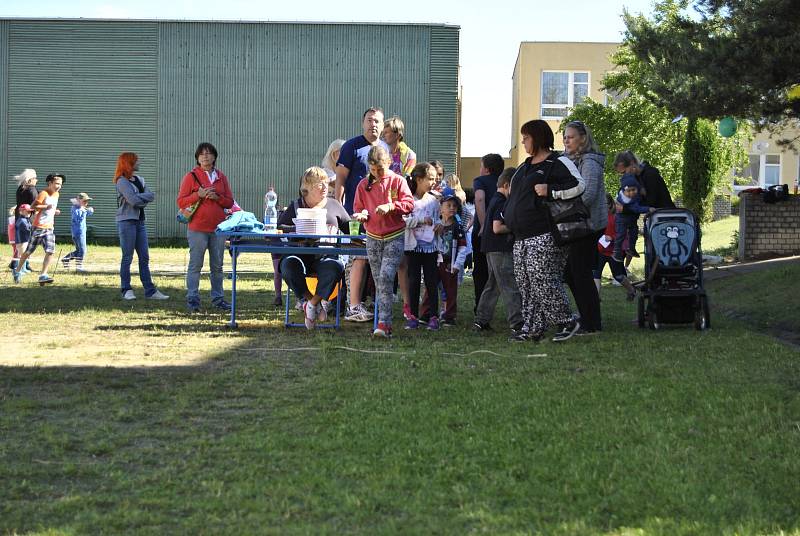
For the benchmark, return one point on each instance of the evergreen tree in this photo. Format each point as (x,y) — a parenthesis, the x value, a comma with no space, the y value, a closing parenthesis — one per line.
(716,58)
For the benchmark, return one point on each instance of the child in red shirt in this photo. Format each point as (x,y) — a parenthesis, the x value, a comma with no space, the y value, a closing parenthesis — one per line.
(381,201)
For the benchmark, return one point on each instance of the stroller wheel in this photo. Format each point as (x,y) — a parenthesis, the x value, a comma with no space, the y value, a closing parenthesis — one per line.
(652,318)
(702,320)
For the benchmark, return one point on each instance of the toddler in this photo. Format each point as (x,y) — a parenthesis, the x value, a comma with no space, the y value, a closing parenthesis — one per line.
(452,252)
(381,201)
(420,242)
(11,224)
(80,210)
(605,247)
(627,220)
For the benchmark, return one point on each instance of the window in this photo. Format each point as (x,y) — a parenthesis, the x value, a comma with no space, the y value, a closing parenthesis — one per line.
(562,90)
(772,169)
(762,170)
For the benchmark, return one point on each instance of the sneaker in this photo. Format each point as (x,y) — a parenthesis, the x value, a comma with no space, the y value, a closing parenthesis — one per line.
(65,262)
(310,315)
(322,311)
(358,313)
(479,327)
(157,295)
(17,275)
(448,323)
(433,323)
(26,268)
(81,270)
(193,306)
(412,323)
(44,278)
(222,305)
(524,336)
(300,305)
(567,332)
(383,330)
(407,312)
(128,295)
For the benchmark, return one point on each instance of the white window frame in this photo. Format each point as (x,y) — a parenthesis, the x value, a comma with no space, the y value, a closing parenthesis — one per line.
(762,169)
(761,180)
(570,92)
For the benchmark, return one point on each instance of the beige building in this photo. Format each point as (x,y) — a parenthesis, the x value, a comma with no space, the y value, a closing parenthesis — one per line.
(551,77)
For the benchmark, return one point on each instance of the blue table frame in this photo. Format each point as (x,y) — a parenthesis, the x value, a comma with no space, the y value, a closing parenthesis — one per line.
(287,244)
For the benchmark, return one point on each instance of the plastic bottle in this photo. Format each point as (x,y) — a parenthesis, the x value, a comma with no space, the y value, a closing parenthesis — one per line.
(271,210)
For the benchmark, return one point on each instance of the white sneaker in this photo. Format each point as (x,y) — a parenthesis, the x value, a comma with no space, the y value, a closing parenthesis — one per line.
(129,295)
(157,295)
(310,315)
(358,313)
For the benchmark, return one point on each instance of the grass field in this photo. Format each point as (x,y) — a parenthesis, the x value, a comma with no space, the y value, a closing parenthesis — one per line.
(134,417)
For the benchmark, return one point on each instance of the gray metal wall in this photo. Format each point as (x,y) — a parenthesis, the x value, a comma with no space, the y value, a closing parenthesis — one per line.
(271,97)
(7,201)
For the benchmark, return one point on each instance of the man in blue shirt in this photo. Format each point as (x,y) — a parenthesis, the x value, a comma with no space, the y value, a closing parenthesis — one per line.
(351,167)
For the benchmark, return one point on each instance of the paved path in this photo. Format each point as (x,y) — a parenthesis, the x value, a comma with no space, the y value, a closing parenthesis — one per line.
(718,272)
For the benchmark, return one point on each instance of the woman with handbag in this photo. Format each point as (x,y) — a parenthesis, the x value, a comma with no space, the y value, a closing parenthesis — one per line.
(133,196)
(582,257)
(538,262)
(207,187)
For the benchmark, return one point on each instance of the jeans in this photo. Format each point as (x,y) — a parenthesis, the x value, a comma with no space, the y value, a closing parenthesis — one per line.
(327,270)
(501,281)
(80,248)
(133,237)
(626,229)
(198,244)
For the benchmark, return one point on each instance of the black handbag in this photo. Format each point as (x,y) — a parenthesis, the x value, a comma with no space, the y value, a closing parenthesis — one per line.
(569,218)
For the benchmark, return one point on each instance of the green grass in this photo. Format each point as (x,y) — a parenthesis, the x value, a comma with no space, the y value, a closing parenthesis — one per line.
(133,417)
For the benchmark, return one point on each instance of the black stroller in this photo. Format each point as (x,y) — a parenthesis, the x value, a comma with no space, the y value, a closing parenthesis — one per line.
(672,291)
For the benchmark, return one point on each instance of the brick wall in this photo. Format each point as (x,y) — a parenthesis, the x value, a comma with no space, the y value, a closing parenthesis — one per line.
(768,230)
(721,206)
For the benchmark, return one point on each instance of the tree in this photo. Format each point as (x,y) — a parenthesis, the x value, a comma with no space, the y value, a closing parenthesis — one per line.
(736,58)
(693,159)
(634,123)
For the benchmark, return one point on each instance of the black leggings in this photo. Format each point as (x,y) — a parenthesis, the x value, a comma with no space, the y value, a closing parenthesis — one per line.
(419,263)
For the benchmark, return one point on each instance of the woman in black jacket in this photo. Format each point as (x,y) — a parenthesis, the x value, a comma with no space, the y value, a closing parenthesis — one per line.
(538,262)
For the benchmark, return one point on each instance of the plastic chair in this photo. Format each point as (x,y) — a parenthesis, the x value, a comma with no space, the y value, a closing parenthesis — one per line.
(311,282)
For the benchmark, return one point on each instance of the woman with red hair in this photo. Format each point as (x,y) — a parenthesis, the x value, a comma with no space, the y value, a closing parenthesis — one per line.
(132,197)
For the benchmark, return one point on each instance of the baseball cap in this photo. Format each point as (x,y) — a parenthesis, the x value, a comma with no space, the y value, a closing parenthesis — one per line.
(25,206)
(83,196)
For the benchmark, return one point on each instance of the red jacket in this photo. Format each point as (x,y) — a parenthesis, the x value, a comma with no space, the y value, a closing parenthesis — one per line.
(210,212)
(392,187)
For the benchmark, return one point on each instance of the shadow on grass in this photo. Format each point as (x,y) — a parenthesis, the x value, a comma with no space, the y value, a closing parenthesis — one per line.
(670,433)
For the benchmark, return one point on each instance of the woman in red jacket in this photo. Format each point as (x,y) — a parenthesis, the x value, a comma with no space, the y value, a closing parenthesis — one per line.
(207,184)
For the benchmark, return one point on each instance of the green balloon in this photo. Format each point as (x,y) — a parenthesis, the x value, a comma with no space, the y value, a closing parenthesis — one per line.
(727,127)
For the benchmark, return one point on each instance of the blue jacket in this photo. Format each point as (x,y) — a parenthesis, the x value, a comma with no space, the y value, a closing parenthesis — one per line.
(79,214)
(241,221)
(632,206)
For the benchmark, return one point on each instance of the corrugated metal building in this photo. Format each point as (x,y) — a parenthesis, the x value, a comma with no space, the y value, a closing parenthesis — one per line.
(270,96)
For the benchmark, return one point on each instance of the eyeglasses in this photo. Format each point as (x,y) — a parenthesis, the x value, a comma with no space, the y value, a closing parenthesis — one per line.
(580,125)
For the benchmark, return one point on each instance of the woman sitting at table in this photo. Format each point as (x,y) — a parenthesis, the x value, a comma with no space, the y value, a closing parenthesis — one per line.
(328,268)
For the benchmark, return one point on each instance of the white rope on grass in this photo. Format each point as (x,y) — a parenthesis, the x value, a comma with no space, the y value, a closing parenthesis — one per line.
(317,349)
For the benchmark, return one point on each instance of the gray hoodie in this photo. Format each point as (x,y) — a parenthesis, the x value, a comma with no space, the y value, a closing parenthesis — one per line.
(131,202)
(591,167)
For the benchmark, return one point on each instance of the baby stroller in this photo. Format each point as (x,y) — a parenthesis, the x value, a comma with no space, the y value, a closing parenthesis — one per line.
(672,291)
